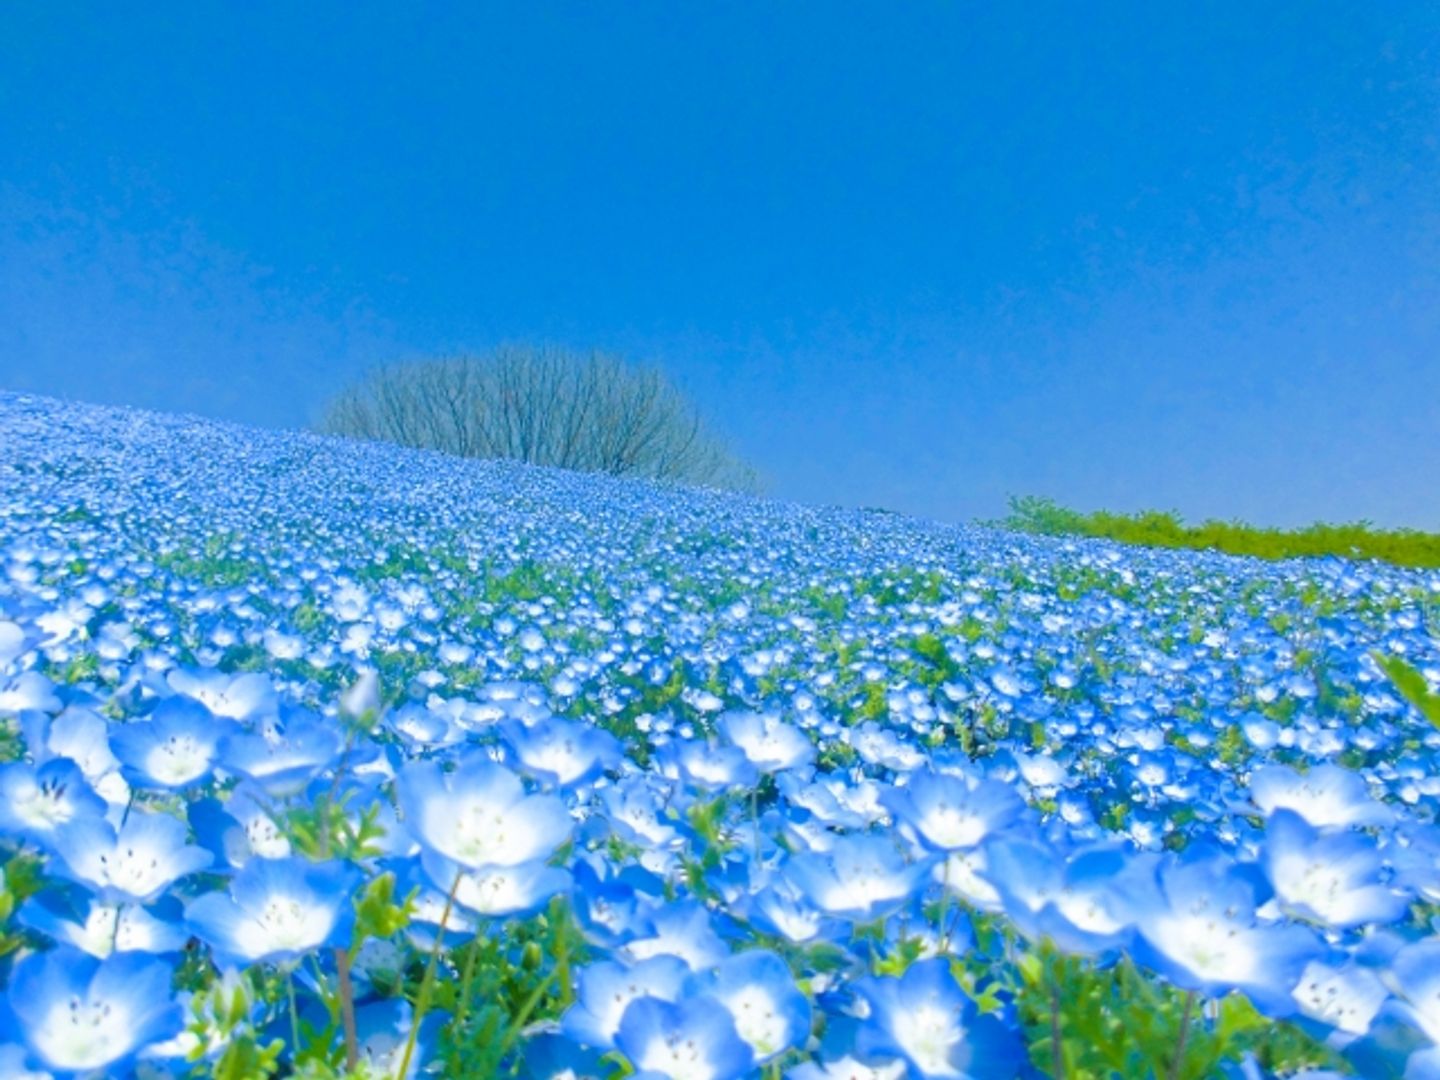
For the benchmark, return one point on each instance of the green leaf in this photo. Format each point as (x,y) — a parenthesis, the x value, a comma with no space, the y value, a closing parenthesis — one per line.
(1412,686)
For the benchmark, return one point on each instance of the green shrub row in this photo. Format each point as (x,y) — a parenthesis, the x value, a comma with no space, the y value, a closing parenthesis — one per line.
(1156,528)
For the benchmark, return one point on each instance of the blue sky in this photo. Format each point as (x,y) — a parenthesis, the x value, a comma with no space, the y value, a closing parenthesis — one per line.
(912,256)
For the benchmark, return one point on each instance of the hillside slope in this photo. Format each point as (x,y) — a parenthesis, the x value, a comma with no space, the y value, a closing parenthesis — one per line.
(765,760)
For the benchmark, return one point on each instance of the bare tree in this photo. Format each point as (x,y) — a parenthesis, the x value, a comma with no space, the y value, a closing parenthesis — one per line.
(544,406)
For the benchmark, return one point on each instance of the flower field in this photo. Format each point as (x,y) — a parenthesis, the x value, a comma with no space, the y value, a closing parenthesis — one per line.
(324,758)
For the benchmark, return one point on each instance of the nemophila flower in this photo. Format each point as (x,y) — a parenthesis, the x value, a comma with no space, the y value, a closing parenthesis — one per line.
(1326,796)
(283,762)
(1197,926)
(1415,975)
(926,1020)
(36,801)
(781,909)
(174,747)
(821,801)
(771,744)
(428,908)
(562,752)
(241,826)
(847,1068)
(14,1066)
(605,989)
(693,1039)
(607,903)
(682,929)
(862,877)
(880,746)
(770,1012)
(548,1055)
(83,737)
(1342,1001)
(382,1028)
(422,727)
(276,911)
(13,640)
(1332,877)
(72,916)
(137,863)
(29,690)
(80,1015)
(248,697)
(479,815)
(361,699)
(1079,900)
(634,810)
(706,766)
(949,813)
(1042,773)
(495,891)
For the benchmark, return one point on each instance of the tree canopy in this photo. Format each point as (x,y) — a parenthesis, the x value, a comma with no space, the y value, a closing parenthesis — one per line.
(546,406)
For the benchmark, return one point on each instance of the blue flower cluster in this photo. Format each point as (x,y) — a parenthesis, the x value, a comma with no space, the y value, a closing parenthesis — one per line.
(320,758)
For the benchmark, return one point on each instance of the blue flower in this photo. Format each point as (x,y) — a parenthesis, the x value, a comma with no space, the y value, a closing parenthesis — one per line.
(1197,926)
(176,746)
(1079,900)
(604,990)
(924,1018)
(860,877)
(78,1014)
(771,744)
(495,891)
(479,815)
(1327,795)
(277,910)
(382,1029)
(706,766)
(682,929)
(72,916)
(239,828)
(36,801)
(561,752)
(248,696)
(1330,877)
(138,863)
(770,1012)
(283,762)
(950,813)
(694,1039)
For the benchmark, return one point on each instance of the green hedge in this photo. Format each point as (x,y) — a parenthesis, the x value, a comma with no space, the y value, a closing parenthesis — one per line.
(1156,528)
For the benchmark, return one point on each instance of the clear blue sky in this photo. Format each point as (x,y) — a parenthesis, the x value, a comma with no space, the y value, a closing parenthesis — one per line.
(914,256)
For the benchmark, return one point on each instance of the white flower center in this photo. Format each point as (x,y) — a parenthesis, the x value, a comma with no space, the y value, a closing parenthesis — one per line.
(82,1034)
(757,1020)
(928,1035)
(951,827)
(676,1056)
(44,806)
(178,760)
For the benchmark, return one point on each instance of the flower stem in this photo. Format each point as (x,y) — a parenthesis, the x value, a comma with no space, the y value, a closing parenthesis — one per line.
(1179,1061)
(945,906)
(294,1016)
(517,1025)
(422,999)
(1057,1050)
(347,1009)
(464,1005)
(755,819)
(561,949)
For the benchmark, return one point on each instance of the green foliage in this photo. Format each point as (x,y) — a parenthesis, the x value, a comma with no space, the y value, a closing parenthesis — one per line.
(1412,686)
(508,980)
(1087,1023)
(1154,528)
